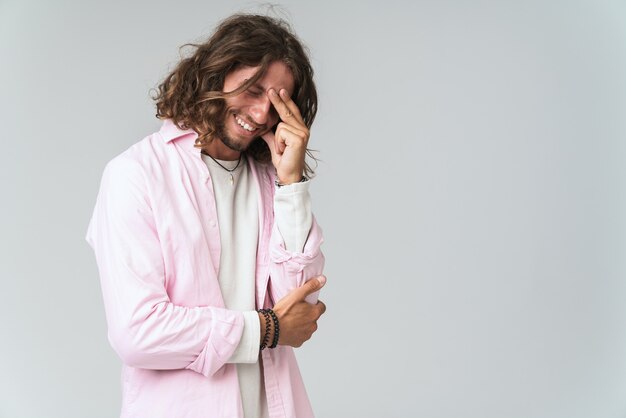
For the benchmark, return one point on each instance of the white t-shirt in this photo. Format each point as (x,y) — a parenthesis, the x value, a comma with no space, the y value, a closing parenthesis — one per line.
(236,197)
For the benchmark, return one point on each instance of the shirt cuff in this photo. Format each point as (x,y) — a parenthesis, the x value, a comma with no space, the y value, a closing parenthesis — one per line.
(248,349)
(292,214)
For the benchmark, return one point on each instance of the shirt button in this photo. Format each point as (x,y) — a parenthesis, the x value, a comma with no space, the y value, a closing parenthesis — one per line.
(212,224)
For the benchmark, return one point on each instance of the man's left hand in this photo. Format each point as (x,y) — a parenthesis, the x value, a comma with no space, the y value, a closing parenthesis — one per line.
(288,145)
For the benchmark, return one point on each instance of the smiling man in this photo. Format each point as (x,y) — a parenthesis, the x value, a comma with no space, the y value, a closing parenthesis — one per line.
(208,253)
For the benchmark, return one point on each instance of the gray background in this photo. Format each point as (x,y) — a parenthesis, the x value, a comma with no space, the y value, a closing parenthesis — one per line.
(472,193)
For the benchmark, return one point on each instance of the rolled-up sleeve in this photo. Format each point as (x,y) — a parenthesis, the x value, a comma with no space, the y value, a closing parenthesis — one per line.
(145,328)
(295,253)
(292,214)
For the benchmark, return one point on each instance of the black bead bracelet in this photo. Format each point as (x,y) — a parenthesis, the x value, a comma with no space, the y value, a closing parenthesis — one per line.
(276,329)
(267,314)
(266,337)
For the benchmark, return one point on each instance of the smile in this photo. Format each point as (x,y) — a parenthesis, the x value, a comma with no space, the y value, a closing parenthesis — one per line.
(244,125)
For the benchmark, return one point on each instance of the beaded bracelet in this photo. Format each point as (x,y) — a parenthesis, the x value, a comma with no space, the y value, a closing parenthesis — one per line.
(276,329)
(267,313)
(266,337)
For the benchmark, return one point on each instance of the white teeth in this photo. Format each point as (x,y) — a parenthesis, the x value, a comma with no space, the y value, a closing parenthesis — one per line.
(244,124)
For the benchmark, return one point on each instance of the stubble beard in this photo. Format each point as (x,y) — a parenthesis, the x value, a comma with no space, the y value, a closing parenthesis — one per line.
(222,135)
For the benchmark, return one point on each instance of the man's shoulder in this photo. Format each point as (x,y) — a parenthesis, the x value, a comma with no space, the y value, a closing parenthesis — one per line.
(144,150)
(139,158)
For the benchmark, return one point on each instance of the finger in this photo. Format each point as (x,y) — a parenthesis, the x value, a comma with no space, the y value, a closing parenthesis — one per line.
(291,105)
(268,137)
(270,140)
(279,141)
(290,136)
(311,286)
(285,113)
(295,129)
(321,306)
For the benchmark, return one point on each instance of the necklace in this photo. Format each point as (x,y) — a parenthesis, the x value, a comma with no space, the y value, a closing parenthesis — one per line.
(230,170)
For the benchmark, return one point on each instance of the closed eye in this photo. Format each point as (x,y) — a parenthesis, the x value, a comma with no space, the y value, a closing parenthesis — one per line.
(254,92)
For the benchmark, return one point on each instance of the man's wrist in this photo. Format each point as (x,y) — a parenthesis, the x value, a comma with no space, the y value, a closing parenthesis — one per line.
(270,330)
(267,329)
(263,322)
(280,183)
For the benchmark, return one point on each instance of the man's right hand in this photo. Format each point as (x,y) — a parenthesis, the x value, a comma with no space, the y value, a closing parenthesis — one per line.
(296,317)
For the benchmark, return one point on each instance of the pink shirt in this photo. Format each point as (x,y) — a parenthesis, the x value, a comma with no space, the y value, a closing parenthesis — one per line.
(156,238)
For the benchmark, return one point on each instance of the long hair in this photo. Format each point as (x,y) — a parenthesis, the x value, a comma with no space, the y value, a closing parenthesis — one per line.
(192,94)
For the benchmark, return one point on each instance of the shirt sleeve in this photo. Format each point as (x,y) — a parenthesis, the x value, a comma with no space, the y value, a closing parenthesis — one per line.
(145,328)
(292,214)
(248,349)
(290,269)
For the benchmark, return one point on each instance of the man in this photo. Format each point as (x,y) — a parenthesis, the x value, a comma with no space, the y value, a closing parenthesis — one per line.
(201,225)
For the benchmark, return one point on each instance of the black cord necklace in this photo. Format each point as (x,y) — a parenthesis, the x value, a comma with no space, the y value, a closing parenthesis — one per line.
(230,170)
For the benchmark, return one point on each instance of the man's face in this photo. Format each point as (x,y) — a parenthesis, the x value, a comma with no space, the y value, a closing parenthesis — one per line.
(251,114)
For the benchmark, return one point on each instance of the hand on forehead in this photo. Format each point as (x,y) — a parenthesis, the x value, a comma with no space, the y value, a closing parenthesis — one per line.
(277,76)
(284,105)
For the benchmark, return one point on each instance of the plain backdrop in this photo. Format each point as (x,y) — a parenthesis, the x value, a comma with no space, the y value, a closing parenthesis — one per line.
(472,193)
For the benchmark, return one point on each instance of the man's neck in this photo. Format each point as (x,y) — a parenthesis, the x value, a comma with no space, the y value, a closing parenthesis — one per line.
(219,151)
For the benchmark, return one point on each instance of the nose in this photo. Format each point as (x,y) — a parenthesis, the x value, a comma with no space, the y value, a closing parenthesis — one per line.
(260,110)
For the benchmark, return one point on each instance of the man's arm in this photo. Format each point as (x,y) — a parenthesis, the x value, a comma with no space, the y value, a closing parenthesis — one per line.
(297,317)
(293,219)
(291,268)
(292,214)
(145,328)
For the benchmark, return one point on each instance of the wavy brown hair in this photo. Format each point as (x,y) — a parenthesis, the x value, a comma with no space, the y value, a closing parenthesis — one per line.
(192,94)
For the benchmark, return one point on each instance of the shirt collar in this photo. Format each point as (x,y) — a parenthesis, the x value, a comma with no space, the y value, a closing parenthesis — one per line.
(169,131)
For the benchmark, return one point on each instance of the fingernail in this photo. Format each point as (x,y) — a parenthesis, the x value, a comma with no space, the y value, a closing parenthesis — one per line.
(273,92)
(321,279)
(283,92)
